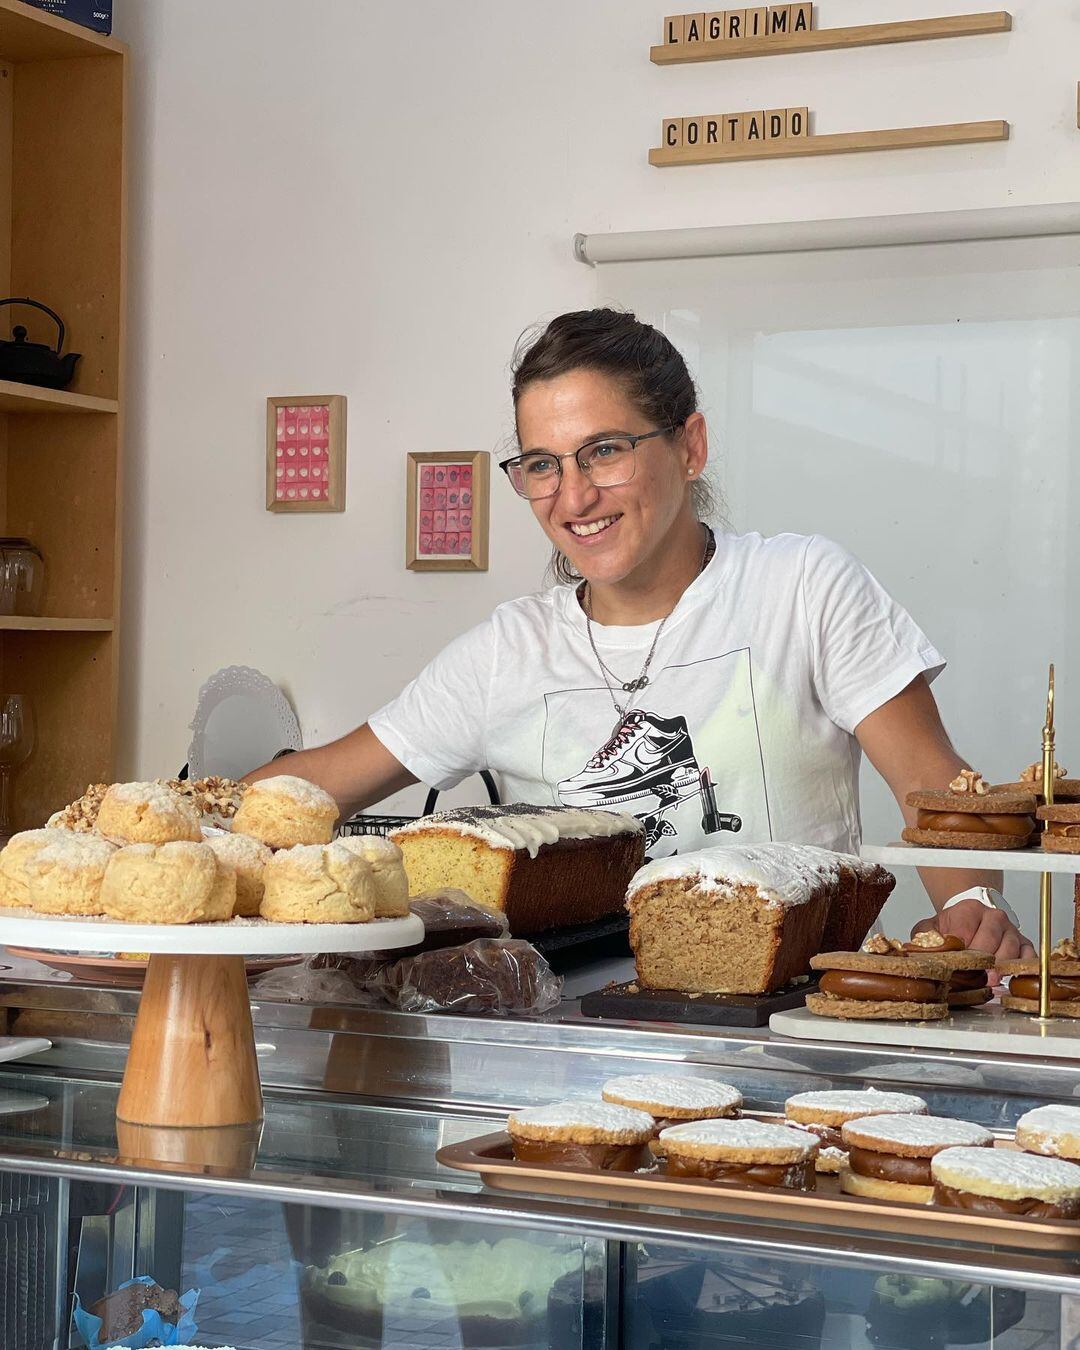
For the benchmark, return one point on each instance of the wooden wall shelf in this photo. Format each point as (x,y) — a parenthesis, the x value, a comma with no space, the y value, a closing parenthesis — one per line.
(841,143)
(25,398)
(63,108)
(18,623)
(29,35)
(829,39)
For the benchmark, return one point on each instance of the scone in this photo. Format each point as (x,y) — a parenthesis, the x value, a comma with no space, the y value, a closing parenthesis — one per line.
(285,811)
(18,852)
(387,871)
(147,813)
(178,882)
(317,883)
(65,876)
(247,857)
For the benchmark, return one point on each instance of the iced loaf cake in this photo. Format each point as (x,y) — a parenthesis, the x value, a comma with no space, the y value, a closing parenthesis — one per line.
(734,920)
(543,867)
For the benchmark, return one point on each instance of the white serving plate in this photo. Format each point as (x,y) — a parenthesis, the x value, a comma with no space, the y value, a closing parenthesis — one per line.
(998,860)
(237,937)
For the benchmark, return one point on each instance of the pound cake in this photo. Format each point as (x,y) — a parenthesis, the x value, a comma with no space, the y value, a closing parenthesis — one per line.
(733,920)
(541,866)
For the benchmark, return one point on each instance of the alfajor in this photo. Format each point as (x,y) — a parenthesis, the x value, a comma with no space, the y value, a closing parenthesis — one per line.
(889,1156)
(1001,1182)
(1051,1130)
(825,1113)
(1025,982)
(969,814)
(671,1100)
(740,1153)
(582,1134)
(882,982)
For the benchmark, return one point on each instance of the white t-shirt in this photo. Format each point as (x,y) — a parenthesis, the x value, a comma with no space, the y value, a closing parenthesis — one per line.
(770,660)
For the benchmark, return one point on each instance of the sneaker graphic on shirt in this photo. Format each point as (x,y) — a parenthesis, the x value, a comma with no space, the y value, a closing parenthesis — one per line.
(647,756)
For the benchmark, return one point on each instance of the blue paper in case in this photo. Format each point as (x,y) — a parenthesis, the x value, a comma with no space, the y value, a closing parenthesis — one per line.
(154,1330)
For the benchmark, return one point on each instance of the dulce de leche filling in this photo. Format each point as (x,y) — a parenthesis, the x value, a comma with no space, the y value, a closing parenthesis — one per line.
(1064,988)
(890,1167)
(968,979)
(958,822)
(566,1153)
(869,984)
(992,1204)
(830,1138)
(799,1176)
(1063,829)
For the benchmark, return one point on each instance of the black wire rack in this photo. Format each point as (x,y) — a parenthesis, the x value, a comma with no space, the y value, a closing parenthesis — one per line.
(365,822)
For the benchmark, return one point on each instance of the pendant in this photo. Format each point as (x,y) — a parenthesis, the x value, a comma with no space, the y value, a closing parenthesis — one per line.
(636,686)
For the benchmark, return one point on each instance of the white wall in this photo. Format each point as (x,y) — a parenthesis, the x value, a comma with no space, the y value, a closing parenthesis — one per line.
(375,200)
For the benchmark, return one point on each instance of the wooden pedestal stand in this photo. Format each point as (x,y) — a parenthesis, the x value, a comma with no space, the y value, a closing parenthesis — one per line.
(192,1059)
(192,1063)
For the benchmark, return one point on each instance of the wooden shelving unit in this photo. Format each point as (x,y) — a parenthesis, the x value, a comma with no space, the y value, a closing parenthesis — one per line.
(62,170)
(837,143)
(829,39)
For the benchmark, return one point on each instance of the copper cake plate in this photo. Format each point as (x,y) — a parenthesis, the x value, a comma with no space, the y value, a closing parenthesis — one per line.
(492,1157)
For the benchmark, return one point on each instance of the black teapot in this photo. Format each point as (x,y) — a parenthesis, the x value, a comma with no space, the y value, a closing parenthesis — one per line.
(35,362)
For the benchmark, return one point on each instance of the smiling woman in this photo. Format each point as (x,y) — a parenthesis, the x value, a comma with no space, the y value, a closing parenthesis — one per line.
(703,683)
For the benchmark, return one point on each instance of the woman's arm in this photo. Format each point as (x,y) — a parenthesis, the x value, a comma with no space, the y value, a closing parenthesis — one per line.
(356,770)
(907,743)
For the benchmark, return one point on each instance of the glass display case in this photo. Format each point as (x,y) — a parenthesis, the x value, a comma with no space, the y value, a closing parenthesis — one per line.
(334,1226)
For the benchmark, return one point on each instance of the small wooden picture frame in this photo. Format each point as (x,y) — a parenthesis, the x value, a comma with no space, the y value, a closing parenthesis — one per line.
(305,453)
(446,515)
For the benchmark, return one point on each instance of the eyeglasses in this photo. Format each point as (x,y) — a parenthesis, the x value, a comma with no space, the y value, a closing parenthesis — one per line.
(608,462)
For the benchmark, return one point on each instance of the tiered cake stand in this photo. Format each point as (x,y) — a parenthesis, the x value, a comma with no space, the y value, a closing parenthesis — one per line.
(192,1060)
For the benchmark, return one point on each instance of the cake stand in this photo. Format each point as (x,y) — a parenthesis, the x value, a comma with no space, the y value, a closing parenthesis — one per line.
(192,1060)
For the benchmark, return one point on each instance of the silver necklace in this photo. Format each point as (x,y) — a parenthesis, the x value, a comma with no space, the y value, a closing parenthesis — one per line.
(641,681)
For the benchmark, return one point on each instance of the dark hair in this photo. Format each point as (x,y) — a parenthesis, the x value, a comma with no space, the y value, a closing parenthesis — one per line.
(650,370)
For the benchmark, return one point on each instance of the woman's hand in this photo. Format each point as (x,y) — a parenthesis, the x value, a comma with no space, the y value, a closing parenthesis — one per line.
(981,929)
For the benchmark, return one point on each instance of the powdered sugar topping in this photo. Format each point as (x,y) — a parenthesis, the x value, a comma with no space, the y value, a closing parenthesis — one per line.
(742,1134)
(75,851)
(1046,1122)
(311,859)
(238,850)
(1022,1174)
(373,848)
(871,1101)
(298,790)
(917,1131)
(156,796)
(682,1094)
(590,1115)
(782,874)
(526,827)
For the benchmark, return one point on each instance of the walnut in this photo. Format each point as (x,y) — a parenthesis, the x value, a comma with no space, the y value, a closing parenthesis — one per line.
(1067,948)
(929,940)
(213,796)
(967,780)
(1034,772)
(879,945)
(81,816)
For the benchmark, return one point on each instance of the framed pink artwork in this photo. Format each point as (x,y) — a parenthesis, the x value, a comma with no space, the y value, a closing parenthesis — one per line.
(446,528)
(305,453)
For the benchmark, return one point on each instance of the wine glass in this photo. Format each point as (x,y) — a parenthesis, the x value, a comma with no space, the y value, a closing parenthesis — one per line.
(16,743)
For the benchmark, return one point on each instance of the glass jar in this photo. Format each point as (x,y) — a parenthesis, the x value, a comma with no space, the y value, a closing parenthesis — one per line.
(22,577)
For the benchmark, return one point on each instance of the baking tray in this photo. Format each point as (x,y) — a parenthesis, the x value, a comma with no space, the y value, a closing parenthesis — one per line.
(827,1207)
(631,1003)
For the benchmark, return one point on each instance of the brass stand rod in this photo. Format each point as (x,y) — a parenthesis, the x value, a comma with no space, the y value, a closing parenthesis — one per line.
(1046,888)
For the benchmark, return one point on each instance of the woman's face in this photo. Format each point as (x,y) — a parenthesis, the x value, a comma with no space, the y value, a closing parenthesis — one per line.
(562,414)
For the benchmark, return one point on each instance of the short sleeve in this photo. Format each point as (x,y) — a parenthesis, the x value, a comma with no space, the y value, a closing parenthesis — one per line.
(865,647)
(436,725)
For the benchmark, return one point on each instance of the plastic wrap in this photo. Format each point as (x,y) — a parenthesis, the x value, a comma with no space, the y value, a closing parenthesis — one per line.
(154,1330)
(491,975)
